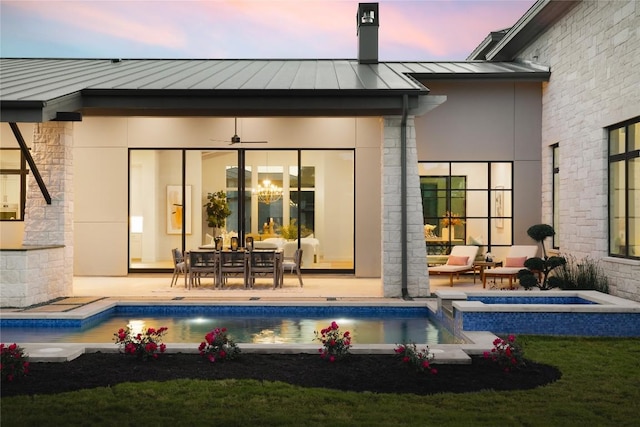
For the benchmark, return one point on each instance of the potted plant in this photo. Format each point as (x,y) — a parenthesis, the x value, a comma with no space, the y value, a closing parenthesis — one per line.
(541,266)
(290,232)
(217,208)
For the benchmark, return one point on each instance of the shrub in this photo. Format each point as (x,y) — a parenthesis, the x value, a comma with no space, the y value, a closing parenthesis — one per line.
(534,266)
(585,274)
(507,354)
(13,362)
(335,346)
(142,345)
(217,346)
(420,360)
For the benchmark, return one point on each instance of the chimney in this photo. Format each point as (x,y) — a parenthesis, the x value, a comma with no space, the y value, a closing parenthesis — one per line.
(368,33)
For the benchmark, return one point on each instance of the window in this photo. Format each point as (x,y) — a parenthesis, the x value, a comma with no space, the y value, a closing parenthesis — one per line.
(13,183)
(556,194)
(316,193)
(479,193)
(624,189)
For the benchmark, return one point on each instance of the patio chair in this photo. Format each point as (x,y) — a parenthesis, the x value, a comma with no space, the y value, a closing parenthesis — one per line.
(513,263)
(262,264)
(460,260)
(202,263)
(231,263)
(179,265)
(292,264)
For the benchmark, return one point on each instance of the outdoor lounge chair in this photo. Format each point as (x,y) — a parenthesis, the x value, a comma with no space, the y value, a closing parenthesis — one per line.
(460,260)
(513,263)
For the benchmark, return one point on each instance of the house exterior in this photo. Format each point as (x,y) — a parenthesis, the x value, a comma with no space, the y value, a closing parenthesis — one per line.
(364,152)
(591,123)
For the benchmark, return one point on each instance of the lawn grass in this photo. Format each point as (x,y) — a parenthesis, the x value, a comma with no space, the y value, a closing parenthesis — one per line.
(600,386)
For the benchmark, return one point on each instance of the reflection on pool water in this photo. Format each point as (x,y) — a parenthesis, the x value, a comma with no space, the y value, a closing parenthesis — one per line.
(268,325)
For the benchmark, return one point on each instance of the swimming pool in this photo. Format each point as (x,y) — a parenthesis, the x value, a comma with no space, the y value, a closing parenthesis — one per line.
(246,324)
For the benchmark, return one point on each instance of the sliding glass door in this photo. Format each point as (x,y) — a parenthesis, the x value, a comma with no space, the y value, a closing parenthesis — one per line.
(301,197)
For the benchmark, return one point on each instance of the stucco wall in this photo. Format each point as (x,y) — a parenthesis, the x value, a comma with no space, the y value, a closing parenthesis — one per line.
(489,121)
(594,56)
(101,167)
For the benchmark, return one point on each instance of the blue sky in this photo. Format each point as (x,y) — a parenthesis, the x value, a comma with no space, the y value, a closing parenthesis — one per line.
(419,30)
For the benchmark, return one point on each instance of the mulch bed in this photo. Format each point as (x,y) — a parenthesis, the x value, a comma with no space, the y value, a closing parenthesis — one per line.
(374,373)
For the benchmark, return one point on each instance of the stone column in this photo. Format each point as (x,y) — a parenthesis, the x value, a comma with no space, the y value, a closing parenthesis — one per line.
(51,225)
(417,277)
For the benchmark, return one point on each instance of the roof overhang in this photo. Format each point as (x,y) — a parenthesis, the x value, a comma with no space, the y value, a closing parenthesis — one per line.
(40,111)
(310,103)
(536,20)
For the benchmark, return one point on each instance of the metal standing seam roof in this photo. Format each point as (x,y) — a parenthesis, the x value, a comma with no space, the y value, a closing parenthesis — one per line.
(27,84)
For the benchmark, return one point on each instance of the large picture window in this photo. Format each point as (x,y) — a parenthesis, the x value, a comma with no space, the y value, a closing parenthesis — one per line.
(311,202)
(624,189)
(467,203)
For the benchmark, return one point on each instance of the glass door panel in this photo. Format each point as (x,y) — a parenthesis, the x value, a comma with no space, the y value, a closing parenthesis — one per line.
(158,214)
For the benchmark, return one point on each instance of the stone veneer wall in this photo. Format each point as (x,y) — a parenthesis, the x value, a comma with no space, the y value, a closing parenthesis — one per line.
(42,269)
(594,55)
(418,279)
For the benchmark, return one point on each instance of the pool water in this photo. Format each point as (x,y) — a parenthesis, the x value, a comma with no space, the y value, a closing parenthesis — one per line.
(272,326)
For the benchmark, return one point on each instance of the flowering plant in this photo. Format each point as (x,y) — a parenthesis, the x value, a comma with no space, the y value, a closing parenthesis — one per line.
(335,345)
(13,362)
(143,345)
(451,218)
(218,346)
(421,360)
(506,353)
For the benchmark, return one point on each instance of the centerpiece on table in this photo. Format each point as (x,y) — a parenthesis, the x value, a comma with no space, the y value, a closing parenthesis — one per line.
(448,223)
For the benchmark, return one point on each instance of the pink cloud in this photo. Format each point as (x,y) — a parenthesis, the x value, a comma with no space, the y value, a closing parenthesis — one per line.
(135,21)
(267,29)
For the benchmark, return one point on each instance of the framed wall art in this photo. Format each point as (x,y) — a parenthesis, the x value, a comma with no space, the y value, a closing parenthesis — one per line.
(499,206)
(176,209)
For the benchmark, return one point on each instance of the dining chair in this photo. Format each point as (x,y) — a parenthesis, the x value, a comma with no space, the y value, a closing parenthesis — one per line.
(231,263)
(263,264)
(292,264)
(202,263)
(179,265)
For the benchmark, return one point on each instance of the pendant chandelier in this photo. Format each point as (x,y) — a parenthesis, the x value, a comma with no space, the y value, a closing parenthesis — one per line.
(268,192)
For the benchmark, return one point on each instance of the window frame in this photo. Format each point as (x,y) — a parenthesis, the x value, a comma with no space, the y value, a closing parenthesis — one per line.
(555,193)
(23,171)
(624,159)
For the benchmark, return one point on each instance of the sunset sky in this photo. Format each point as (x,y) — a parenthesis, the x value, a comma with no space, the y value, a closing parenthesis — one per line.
(419,30)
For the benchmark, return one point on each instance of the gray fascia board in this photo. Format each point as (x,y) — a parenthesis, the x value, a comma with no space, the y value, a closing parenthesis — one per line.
(539,76)
(38,111)
(21,111)
(330,100)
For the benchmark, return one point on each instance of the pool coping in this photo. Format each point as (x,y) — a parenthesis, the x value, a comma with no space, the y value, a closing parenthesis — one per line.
(476,342)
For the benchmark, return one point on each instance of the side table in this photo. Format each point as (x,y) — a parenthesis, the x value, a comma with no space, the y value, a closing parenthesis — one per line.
(480,266)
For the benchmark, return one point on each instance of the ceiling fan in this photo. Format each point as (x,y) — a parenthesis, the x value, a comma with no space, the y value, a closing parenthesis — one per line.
(235,139)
